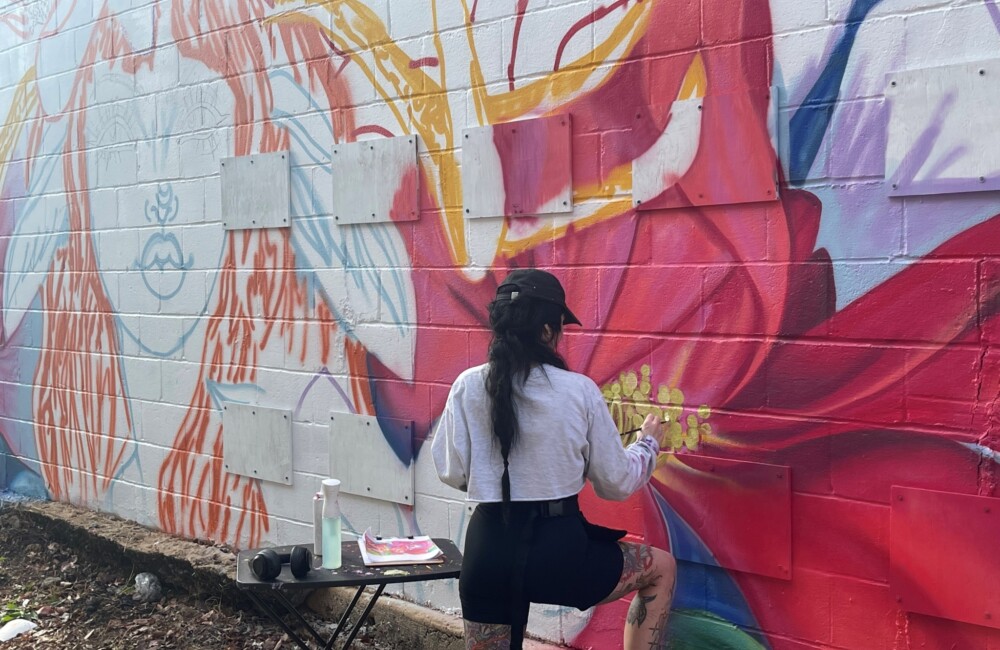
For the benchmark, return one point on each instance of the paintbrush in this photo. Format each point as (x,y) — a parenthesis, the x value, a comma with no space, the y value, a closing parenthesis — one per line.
(637,429)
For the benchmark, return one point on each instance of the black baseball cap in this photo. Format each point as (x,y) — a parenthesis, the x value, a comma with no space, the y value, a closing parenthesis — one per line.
(535,283)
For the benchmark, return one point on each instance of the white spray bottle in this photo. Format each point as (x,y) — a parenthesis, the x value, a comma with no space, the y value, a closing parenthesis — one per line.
(331,524)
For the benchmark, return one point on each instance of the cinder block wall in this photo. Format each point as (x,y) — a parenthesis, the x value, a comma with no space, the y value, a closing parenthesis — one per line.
(776,220)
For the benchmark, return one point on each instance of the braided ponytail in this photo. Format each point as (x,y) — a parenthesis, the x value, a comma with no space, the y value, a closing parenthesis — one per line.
(519,343)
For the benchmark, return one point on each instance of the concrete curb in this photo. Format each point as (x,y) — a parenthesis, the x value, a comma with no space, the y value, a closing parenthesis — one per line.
(207,571)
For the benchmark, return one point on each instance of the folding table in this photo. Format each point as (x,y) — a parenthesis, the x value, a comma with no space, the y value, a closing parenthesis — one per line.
(352,573)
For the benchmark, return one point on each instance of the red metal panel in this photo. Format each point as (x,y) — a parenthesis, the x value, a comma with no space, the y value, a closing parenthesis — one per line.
(747,503)
(744,172)
(537,167)
(943,555)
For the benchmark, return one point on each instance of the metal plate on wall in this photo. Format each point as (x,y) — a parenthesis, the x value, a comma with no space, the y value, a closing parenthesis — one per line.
(257,442)
(364,462)
(518,169)
(745,172)
(255,191)
(942,555)
(376,180)
(940,139)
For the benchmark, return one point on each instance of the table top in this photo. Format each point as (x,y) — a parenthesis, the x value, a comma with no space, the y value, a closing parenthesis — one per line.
(352,572)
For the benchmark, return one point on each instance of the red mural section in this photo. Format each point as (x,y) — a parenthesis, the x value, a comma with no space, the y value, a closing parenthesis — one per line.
(832,397)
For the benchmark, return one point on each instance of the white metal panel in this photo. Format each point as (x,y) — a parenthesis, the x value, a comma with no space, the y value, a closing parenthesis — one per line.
(364,462)
(507,168)
(482,174)
(257,442)
(255,191)
(371,177)
(942,137)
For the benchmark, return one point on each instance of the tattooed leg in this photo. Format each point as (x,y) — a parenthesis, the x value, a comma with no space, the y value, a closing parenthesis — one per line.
(486,636)
(652,573)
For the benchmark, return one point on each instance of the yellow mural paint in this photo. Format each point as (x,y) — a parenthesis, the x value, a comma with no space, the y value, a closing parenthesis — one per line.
(22,105)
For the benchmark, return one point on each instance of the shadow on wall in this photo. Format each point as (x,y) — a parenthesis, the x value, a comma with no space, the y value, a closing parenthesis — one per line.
(16,478)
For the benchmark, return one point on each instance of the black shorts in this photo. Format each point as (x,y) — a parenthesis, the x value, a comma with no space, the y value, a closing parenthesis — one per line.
(571,562)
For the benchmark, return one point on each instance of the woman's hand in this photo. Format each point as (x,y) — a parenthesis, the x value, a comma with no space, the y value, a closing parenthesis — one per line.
(653,427)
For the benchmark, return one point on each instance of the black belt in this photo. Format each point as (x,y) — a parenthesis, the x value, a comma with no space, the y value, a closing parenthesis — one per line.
(558,507)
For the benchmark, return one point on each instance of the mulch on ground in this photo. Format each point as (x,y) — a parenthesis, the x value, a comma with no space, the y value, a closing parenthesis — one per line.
(85,602)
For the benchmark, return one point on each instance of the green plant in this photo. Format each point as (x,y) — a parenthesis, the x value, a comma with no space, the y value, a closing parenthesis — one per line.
(14,610)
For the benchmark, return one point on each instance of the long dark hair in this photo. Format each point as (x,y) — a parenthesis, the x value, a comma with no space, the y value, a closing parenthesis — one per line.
(519,343)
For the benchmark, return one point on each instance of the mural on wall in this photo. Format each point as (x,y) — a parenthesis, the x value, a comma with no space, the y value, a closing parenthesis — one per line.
(822,330)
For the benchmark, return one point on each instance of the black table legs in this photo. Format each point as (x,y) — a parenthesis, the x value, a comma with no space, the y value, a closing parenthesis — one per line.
(341,625)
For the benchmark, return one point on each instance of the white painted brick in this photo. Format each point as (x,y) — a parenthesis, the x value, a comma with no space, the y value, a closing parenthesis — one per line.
(489,47)
(432,516)
(180,378)
(953,35)
(539,38)
(213,200)
(798,61)
(205,242)
(134,296)
(133,202)
(426,480)
(163,335)
(136,30)
(321,399)
(56,53)
(311,139)
(158,160)
(110,86)
(116,166)
(788,15)
(362,513)
(143,377)
(103,206)
(838,10)
(117,250)
(409,18)
(191,293)
(165,74)
(280,388)
(202,151)
(159,421)
(272,355)
(192,70)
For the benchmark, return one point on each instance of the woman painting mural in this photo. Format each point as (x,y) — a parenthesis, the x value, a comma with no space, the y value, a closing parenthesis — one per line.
(520,434)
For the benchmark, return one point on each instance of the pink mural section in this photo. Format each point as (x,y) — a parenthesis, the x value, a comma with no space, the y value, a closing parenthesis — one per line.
(824,354)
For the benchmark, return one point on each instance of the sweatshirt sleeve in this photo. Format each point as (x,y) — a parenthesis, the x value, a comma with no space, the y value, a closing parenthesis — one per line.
(451,446)
(616,471)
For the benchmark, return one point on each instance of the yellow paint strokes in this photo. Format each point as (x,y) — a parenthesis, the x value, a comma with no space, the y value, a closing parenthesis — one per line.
(510,247)
(22,105)
(630,399)
(695,80)
(416,100)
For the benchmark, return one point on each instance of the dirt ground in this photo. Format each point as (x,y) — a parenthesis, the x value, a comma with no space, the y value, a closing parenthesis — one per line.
(85,602)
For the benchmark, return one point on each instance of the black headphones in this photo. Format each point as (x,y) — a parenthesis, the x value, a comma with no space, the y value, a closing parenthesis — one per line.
(266,565)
